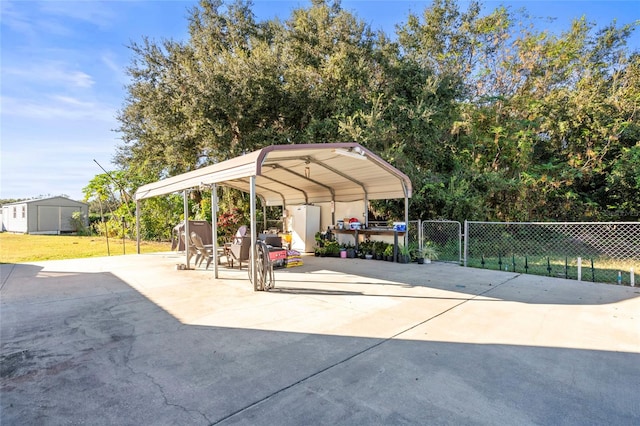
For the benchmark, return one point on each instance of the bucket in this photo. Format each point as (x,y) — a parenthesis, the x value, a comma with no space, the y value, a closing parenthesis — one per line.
(343,254)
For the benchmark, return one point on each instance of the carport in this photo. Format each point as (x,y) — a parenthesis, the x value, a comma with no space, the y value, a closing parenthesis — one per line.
(287,175)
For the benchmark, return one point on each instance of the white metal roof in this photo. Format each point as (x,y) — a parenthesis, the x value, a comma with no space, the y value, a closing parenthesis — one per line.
(298,174)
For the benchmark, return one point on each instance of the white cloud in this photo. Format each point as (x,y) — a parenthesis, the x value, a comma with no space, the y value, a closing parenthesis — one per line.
(56,107)
(50,73)
(93,12)
(109,60)
(16,20)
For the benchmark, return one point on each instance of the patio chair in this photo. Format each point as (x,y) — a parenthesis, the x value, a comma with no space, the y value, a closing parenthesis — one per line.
(240,246)
(203,251)
(193,251)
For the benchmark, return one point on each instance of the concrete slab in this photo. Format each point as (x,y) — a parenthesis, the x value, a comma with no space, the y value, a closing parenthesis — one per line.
(131,340)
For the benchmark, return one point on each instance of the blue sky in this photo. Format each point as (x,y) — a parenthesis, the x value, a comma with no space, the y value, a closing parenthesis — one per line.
(63,74)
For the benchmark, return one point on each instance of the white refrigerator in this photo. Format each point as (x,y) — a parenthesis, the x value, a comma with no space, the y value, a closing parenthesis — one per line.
(305,222)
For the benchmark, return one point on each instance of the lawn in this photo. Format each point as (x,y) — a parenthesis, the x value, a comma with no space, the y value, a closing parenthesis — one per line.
(15,248)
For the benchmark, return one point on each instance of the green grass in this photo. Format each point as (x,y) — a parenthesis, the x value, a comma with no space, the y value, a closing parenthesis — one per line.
(604,270)
(16,248)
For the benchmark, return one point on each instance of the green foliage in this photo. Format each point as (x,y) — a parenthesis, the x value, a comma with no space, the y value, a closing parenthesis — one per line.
(228,224)
(489,117)
(332,248)
(78,221)
(404,250)
(429,251)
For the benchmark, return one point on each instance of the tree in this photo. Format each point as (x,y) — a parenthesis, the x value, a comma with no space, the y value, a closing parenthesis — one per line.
(490,117)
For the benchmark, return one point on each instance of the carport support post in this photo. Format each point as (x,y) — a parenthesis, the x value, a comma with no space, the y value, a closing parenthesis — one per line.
(185,196)
(406,214)
(137,225)
(254,237)
(214,227)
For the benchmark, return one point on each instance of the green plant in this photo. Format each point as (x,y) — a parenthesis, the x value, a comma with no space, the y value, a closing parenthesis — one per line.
(388,251)
(379,247)
(404,254)
(228,224)
(78,222)
(332,248)
(366,247)
(429,251)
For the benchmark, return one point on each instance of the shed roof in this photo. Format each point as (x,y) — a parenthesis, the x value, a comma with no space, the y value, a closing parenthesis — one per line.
(59,198)
(298,174)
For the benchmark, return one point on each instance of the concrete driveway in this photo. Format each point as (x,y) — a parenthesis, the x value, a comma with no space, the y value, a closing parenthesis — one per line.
(130,340)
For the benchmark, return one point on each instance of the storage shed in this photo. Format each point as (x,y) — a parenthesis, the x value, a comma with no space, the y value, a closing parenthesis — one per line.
(43,216)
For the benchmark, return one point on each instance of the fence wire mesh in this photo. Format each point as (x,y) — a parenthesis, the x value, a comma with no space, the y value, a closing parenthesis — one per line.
(445,236)
(607,251)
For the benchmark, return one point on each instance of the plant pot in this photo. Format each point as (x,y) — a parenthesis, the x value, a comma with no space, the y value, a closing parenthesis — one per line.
(351,253)
(368,256)
(403,258)
(420,261)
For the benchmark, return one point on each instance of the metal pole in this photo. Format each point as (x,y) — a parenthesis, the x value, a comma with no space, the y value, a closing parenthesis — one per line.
(466,241)
(124,250)
(254,238)
(138,225)
(214,227)
(185,196)
(406,214)
(579,269)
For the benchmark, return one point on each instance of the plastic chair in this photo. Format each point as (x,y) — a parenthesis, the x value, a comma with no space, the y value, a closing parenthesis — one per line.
(203,251)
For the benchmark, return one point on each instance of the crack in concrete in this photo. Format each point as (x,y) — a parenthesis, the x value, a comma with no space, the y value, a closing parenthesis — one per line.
(355,355)
(126,359)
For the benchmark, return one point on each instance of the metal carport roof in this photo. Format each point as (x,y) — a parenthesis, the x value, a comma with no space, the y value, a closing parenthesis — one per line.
(298,174)
(283,175)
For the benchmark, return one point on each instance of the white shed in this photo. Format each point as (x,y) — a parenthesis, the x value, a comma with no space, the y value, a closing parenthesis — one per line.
(43,216)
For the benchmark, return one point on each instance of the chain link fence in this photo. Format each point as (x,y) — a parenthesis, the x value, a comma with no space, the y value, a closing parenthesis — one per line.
(590,251)
(445,236)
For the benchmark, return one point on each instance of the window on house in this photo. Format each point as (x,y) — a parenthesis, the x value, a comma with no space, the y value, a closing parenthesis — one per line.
(24,211)
(15,212)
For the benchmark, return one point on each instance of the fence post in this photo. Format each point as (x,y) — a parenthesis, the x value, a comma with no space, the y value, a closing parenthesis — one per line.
(632,279)
(466,241)
(459,242)
(579,269)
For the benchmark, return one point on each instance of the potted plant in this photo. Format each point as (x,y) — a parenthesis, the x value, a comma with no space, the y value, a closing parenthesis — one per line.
(365,249)
(388,253)
(332,248)
(378,249)
(351,251)
(429,252)
(405,254)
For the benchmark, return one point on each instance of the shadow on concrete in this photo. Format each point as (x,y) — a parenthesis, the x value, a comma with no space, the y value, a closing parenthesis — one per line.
(87,348)
(507,286)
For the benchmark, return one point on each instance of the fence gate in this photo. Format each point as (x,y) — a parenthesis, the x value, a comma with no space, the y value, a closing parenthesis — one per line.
(446,236)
